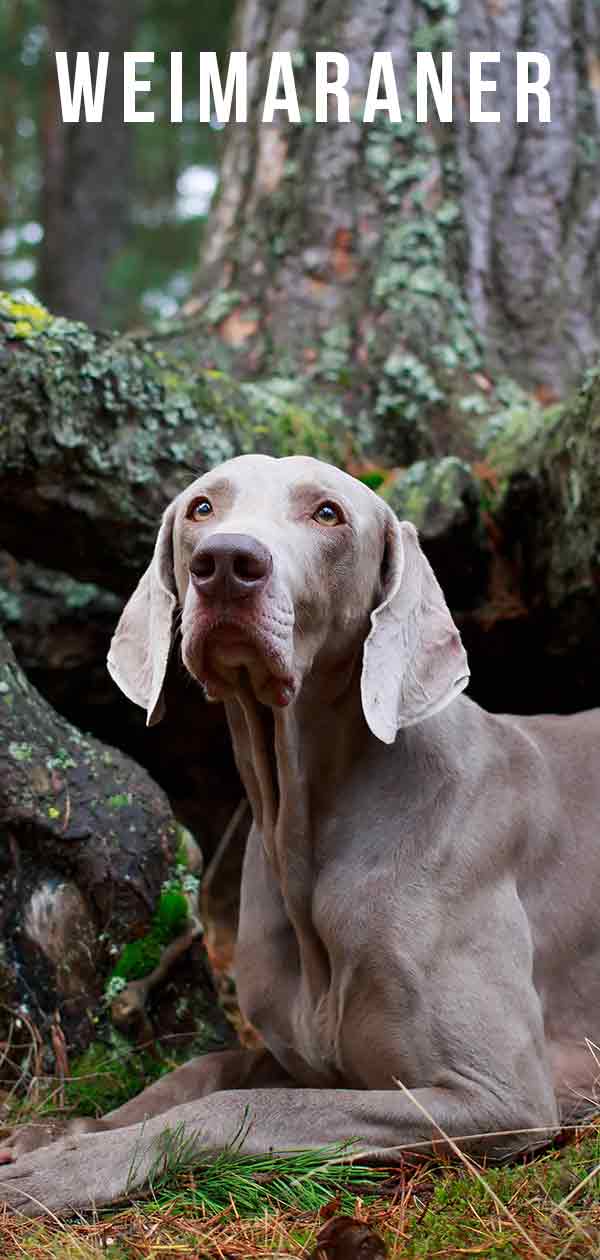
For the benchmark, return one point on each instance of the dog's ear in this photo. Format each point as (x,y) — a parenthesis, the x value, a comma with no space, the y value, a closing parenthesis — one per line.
(414,663)
(139,651)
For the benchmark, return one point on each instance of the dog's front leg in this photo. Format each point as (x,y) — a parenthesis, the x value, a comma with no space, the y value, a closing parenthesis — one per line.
(90,1170)
(227,1069)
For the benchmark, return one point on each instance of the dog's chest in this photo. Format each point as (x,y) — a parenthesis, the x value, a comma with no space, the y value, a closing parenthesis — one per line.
(287,994)
(314,991)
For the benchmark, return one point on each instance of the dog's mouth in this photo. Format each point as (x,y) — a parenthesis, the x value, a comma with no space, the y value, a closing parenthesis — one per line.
(226,655)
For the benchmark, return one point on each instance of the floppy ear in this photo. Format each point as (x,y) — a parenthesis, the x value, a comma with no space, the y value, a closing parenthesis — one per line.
(139,651)
(414,663)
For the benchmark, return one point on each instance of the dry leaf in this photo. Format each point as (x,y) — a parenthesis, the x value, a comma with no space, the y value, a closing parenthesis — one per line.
(236,328)
(345,1238)
(546,395)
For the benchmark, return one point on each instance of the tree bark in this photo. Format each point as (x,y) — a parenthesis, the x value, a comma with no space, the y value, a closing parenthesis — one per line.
(102,431)
(88,841)
(397,265)
(87,168)
(60,630)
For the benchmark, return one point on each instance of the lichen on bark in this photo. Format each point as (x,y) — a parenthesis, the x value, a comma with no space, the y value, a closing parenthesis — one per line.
(98,432)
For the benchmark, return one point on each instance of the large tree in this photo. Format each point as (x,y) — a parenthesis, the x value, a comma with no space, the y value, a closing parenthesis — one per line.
(87,168)
(401,264)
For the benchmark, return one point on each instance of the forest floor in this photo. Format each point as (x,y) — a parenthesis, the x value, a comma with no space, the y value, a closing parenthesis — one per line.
(543,1206)
(242,1208)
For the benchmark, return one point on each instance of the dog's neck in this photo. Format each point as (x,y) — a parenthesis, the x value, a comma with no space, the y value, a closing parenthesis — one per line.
(293,763)
(289,756)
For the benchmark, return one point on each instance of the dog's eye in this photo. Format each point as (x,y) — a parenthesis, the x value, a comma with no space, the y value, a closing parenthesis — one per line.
(328,514)
(199,509)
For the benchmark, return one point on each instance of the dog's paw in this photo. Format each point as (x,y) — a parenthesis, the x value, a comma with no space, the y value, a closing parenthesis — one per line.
(76,1173)
(27,1138)
(31,1183)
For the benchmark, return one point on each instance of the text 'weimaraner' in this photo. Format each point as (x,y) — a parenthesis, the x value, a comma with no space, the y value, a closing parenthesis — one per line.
(420,891)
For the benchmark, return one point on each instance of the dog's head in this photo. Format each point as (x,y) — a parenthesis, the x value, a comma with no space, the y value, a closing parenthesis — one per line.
(279,568)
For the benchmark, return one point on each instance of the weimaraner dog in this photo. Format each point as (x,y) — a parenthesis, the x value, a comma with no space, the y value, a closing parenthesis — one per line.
(419,943)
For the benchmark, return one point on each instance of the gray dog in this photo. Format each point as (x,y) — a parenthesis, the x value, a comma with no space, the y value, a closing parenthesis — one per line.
(418,940)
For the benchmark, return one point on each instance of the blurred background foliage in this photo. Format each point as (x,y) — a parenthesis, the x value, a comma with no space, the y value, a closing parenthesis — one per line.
(173,166)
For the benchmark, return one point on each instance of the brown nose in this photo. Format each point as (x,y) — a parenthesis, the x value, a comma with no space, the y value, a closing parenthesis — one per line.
(230,566)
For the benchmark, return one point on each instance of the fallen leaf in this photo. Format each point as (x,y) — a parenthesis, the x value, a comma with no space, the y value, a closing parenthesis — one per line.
(331,1208)
(345,1238)
(546,395)
(235,329)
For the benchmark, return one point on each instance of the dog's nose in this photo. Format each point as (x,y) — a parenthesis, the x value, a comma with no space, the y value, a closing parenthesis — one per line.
(231,566)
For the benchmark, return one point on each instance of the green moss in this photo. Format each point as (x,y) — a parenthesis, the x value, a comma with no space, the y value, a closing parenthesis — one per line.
(139,958)
(426,348)
(520,431)
(106,1076)
(433,494)
(279,417)
(551,455)
(182,838)
(171,914)
(61,760)
(20,319)
(20,751)
(111,410)
(374,480)
(335,348)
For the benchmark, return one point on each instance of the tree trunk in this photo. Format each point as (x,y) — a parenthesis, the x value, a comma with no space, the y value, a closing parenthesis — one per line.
(397,265)
(87,168)
(88,841)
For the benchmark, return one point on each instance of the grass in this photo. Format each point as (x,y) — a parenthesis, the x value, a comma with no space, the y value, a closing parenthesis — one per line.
(241,1207)
(105,1077)
(303,1180)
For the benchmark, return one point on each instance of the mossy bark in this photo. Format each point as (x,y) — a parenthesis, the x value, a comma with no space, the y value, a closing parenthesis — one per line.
(98,432)
(404,267)
(547,508)
(87,843)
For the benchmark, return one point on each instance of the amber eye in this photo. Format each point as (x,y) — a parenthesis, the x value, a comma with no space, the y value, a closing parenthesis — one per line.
(328,514)
(200,509)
